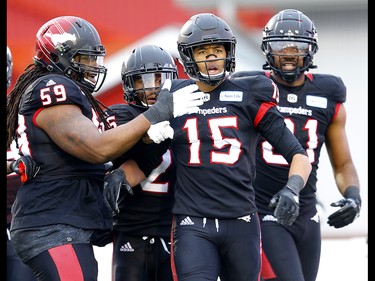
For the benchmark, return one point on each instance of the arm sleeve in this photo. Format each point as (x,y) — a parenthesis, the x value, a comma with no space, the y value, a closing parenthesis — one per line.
(274,130)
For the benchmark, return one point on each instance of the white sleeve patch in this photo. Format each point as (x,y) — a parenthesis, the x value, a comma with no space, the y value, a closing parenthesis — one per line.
(314,101)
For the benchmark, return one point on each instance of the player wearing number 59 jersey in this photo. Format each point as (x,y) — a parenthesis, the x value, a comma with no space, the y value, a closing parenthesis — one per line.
(216,229)
(53,117)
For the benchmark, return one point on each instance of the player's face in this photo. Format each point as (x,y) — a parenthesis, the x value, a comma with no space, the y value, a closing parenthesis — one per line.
(147,87)
(89,61)
(210,58)
(288,55)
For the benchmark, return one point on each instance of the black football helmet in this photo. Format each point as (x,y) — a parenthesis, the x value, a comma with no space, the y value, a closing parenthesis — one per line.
(145,62)
(290,28)
(71,46)
(9,67)
(202,29)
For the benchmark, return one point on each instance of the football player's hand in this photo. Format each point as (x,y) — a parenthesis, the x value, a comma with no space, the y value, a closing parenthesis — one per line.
(169,105)
(348,212)
(286,204)
(114,181)
(26,167)
(160,132)
(185,100)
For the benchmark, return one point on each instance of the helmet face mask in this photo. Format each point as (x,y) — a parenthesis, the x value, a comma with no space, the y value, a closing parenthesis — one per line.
(143,72)
(289,33)
(206,29)
(63,43)
(146,87)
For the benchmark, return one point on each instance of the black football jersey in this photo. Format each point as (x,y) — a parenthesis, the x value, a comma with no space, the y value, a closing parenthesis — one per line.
(149,211)
(308,111)
(66,190)
(214,149)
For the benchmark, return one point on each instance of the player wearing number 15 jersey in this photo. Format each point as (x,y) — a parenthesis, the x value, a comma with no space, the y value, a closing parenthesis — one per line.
(216,227)
(312,105)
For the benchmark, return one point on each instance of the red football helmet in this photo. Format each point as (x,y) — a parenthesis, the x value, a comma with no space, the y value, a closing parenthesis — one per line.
(71,45)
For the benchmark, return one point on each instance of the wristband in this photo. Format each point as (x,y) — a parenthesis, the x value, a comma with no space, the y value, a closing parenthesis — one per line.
(353,192)
(154,115)
(295,183)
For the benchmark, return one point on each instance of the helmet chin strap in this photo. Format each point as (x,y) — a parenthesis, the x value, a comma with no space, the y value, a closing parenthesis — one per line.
(289,76)
(212,80)
(219,75)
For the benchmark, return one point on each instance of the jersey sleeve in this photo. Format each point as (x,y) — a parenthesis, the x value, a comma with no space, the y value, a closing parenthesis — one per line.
(264,90)
(270,122)
(264,96)
(121,114)
(274,130)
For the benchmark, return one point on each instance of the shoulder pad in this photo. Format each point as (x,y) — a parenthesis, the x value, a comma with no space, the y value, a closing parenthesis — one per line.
(55,79)
(115,108)
(332,85)
(33,99)
(246,73)
(180,83)
(263,89)
(123,112)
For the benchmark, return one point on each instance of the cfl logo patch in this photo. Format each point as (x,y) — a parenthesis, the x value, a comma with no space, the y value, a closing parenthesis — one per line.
(292,98)
(206,97)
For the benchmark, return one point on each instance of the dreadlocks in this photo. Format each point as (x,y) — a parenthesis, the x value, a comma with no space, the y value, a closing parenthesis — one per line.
(33,72)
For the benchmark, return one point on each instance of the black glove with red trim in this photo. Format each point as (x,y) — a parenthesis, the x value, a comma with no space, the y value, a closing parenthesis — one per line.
(25,167)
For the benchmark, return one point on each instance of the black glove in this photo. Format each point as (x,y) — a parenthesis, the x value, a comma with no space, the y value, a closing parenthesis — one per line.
(26,167)
(162,110)
(169,105)
(286,201)
(350,208)
(113,182)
